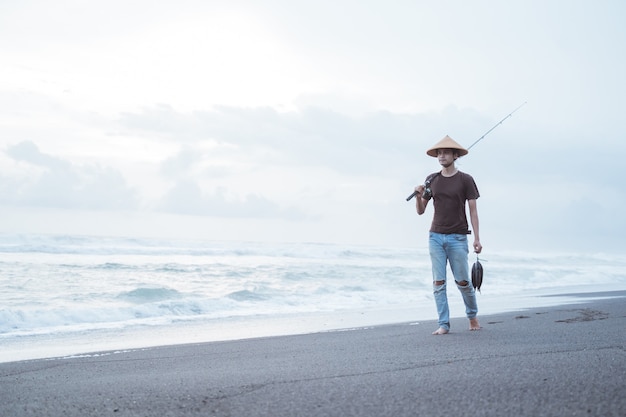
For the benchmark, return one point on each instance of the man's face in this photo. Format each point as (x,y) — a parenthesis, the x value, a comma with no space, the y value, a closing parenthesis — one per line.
(446,157)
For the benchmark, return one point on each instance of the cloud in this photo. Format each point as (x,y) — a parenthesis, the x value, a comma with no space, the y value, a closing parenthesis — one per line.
(377,143)
(186,197)
(60,184)
(181,163)
(29,152)
(320,167)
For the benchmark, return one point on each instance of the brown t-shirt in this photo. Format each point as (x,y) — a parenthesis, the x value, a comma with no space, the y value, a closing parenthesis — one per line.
(449,197)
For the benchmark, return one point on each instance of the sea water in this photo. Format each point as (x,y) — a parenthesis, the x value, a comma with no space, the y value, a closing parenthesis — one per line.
(70,294)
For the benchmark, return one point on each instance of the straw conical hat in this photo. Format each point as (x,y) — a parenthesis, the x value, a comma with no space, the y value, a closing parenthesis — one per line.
(447,143)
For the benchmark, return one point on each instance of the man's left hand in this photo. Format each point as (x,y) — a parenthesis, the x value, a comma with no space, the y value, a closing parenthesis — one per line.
(477,246)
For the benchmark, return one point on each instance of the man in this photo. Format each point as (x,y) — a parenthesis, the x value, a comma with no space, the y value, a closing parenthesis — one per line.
(449,190)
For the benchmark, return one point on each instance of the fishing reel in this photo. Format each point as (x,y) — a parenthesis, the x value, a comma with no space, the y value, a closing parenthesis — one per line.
(428,193)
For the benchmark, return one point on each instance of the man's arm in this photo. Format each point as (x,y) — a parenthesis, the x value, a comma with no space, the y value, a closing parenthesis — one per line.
(475,225)
(420,203)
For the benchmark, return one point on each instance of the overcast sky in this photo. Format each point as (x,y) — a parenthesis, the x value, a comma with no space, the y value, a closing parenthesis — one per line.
(292,120)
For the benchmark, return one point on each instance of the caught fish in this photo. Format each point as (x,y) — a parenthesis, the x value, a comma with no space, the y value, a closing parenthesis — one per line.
(477,274)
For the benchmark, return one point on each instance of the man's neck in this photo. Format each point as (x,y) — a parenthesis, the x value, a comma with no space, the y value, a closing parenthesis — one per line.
(449,171)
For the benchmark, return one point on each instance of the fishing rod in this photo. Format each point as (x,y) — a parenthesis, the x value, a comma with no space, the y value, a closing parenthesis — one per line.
(429,179)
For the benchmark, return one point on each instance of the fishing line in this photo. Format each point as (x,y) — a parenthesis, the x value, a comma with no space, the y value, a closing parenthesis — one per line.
(496,125)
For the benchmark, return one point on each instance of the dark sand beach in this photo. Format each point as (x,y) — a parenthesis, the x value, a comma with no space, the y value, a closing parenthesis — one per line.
(555,361)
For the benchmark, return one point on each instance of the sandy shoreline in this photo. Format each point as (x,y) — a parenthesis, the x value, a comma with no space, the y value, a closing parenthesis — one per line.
(546,361)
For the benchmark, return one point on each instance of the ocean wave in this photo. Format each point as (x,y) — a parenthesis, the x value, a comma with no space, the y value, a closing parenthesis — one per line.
(54,284)
(246,295)
(95,245)
(144,295)
(115,266)
(159,311)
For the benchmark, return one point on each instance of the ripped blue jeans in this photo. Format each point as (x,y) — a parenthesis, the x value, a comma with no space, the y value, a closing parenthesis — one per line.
(451,248)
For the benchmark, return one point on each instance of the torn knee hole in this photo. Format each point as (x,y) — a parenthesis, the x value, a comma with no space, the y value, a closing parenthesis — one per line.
(462,283)
(438,282)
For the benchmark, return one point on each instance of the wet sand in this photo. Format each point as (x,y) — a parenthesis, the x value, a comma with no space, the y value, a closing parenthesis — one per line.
(549,361)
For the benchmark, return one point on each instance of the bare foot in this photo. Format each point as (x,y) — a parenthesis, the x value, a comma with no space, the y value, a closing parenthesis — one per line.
(440,330)
(474,325)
